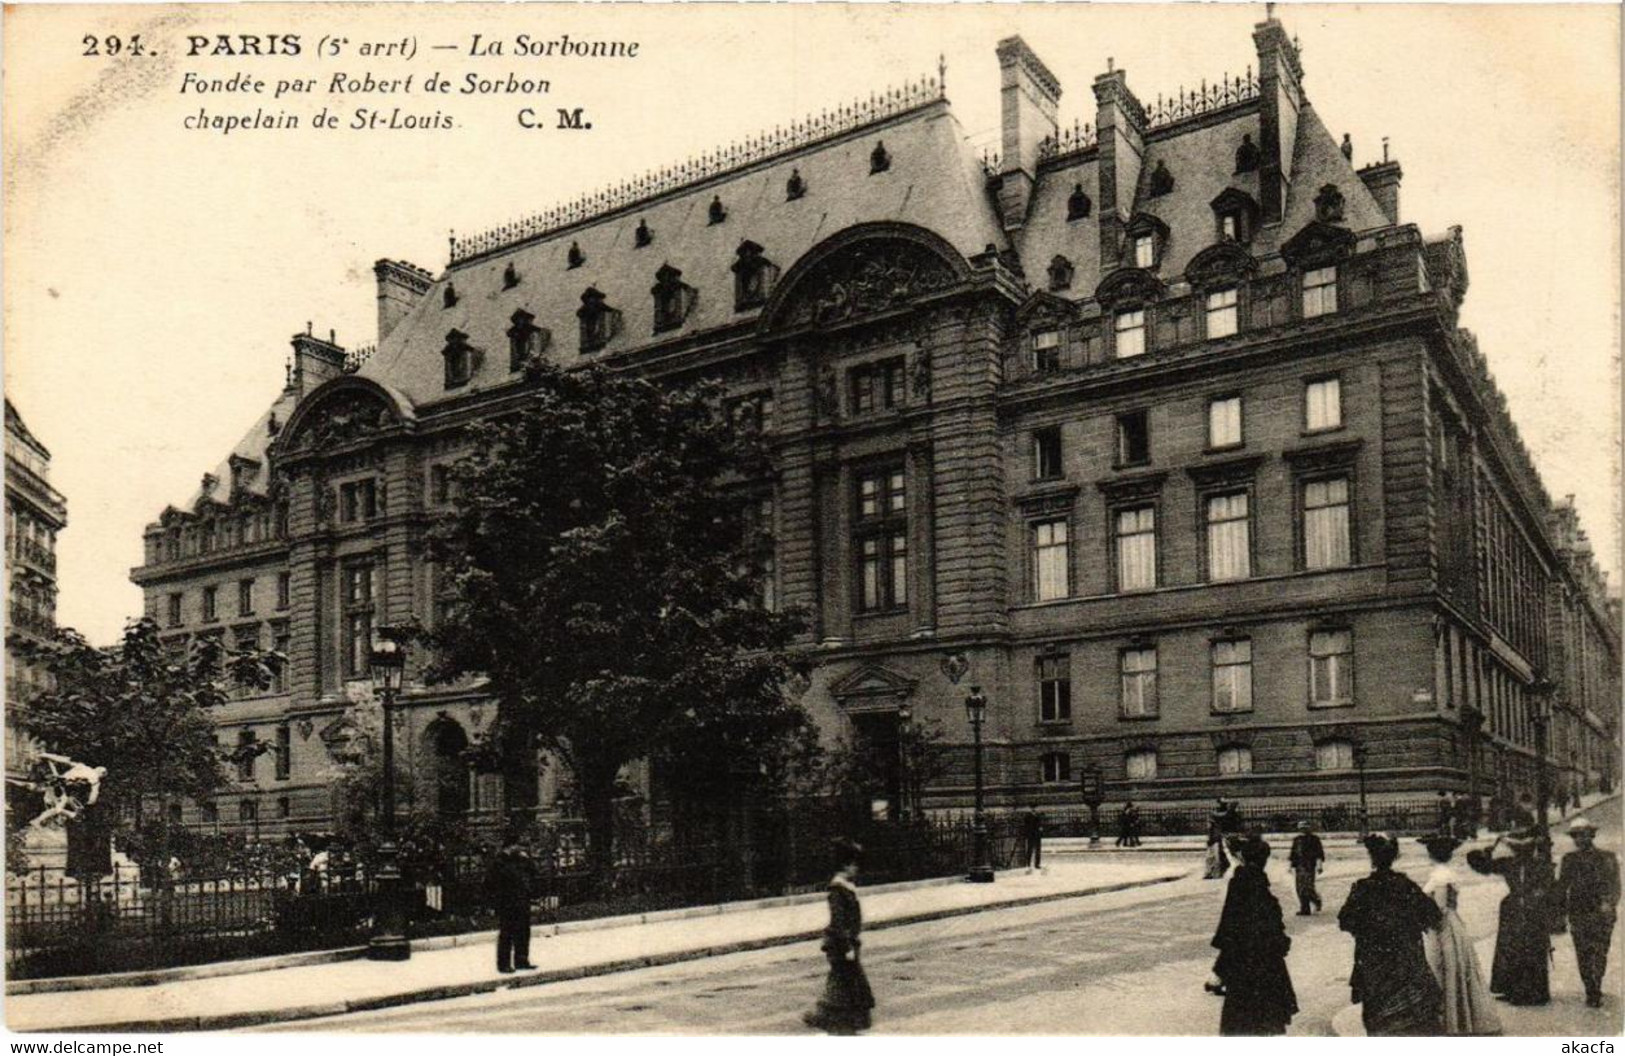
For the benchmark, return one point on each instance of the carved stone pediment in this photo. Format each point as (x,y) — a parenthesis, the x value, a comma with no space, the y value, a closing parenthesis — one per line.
(1318,245)
(1226,263)
(1042,308)
(342,417)
(865,278)
(1129,288)
(872,686)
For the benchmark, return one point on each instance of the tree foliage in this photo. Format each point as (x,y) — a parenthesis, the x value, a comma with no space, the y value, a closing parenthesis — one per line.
(139,711)
(601,562)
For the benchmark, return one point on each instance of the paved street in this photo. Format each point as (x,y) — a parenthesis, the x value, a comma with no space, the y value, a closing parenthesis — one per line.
(1077,966)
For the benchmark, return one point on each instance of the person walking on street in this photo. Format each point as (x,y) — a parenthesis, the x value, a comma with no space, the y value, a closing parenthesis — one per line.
(509,884)
(1253,944)
(1387,913)
(1523,941)
(847,1000)
(1468,1008)
(1589,886)
(1128,820)
(1307,859)
(1032,832)
(1217,863)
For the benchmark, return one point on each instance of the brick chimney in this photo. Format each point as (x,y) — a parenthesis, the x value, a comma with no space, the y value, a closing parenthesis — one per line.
(1280,98)
(1028,97)
(1120,125)
(400,286)
(314,361)
(1382,180)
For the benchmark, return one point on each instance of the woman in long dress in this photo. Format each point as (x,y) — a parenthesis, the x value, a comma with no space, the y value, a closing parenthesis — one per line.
(1253,944)
(1523,940)
(1387,913)
(1468,1007)
(847,1000)
(1216,863)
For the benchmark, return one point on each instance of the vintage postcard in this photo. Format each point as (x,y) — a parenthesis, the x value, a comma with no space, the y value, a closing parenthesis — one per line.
(812,519)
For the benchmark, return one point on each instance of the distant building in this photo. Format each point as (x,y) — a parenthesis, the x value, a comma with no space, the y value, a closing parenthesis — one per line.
(1165,423)
(35,513)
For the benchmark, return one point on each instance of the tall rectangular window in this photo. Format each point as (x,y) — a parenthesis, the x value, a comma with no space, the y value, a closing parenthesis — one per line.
(1130,329)
(211,607)
(358,500)
(1331,669)
(1319,292)
(1229,549)
(1056,768)
(1323,404)
(1224,422)
(1047,453)
(1133,438)
(1051,560)
(1222,320)
(877,386)
(1136,548)
(1138,668)
(1145,251)
(358,602)
(440,484)
(881,537)
(282,642)
(284,589)
(1055,688)
(1046,351)
(1326,523)
(284,753)
(245,597)
(246,754)
(174,610)
(1233,676)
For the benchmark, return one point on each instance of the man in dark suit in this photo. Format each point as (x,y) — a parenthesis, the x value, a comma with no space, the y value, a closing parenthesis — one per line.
(1589,884)
(1306,858)
(1032,832)
(508,886)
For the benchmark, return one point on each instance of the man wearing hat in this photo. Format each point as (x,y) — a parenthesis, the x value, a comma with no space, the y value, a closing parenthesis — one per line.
(1307,858)
(1589,886)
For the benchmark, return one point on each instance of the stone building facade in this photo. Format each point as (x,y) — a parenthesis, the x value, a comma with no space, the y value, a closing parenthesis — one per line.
(1164,423)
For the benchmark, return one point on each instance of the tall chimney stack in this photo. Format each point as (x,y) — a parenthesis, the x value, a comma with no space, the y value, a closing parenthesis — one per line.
(1382,180)
(1029,95)
(1120,125)
(314,361)
(1280,98)
(400,286)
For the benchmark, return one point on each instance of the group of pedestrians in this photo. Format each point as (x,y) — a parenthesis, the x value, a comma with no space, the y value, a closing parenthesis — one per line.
(1415,969)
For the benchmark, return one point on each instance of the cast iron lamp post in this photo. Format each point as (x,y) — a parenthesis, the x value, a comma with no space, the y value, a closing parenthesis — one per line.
(905,716)
(389,942)
(976,711)
(1359,766)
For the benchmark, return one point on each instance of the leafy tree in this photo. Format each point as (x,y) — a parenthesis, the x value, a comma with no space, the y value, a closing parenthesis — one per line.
(601,561)
(139,711)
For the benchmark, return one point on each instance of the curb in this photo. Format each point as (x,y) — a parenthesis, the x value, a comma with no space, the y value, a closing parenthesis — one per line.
(237,1020)
(248,966)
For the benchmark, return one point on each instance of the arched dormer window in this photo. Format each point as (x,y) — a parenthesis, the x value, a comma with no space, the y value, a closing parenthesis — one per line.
(754,276)
(1247,155)
(599,322)
(459,358)
(1060,273)
(673,298)
(1235,215)
(1162,181)
(1144,240)
(526,341)
(1078,205)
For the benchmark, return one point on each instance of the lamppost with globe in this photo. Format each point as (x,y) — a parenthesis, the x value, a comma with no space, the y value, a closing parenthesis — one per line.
(387,664)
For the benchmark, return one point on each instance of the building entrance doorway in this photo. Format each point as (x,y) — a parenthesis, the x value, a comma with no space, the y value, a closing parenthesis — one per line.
(877,740)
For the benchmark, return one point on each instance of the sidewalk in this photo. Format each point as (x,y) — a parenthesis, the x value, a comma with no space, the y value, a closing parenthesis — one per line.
(334,988)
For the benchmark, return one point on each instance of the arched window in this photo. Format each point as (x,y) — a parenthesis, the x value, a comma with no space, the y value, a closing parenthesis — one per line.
(444,743)
(754,276)
(673,298)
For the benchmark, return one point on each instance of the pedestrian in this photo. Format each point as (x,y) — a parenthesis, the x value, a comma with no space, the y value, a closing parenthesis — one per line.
(1446,814)
(1523,940)
(1032,833)
(1216,864)
(1133,824)
(1468,1008)
(844,1008)
(1253,944)
(1387,913)
(1589,886)
(1307,859)
(1522,818)
(508,885)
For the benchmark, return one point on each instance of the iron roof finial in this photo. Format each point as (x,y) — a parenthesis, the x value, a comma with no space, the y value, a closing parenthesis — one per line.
(942,74)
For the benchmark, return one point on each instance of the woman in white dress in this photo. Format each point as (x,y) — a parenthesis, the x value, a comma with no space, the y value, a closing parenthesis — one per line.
(1468,1007)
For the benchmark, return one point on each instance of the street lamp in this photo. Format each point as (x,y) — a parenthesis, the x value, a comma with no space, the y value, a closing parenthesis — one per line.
(388,669)
(976,711)
(905,715)
(1359,767)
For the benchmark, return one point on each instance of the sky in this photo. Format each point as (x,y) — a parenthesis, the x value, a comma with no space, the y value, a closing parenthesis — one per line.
(155,274)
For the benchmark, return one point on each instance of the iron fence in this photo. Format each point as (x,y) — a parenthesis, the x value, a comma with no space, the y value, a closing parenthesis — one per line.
(1417,815)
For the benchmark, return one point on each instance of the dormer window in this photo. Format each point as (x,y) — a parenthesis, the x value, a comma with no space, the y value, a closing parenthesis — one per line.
(1235,214)
(1060,273)
(1162,181)
(1229,228)
(575,258)
(1078,205)
(795,187)
(526,341)
(599,322)
(1046,351)
(449,297)
(510,277)
(1329,205)
(717,214)
(1319,292)
(1145,251)
(642,236)
(459,359)
(754,276)
(673,298)
(879,159)
(1247,155)
(1145,238)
